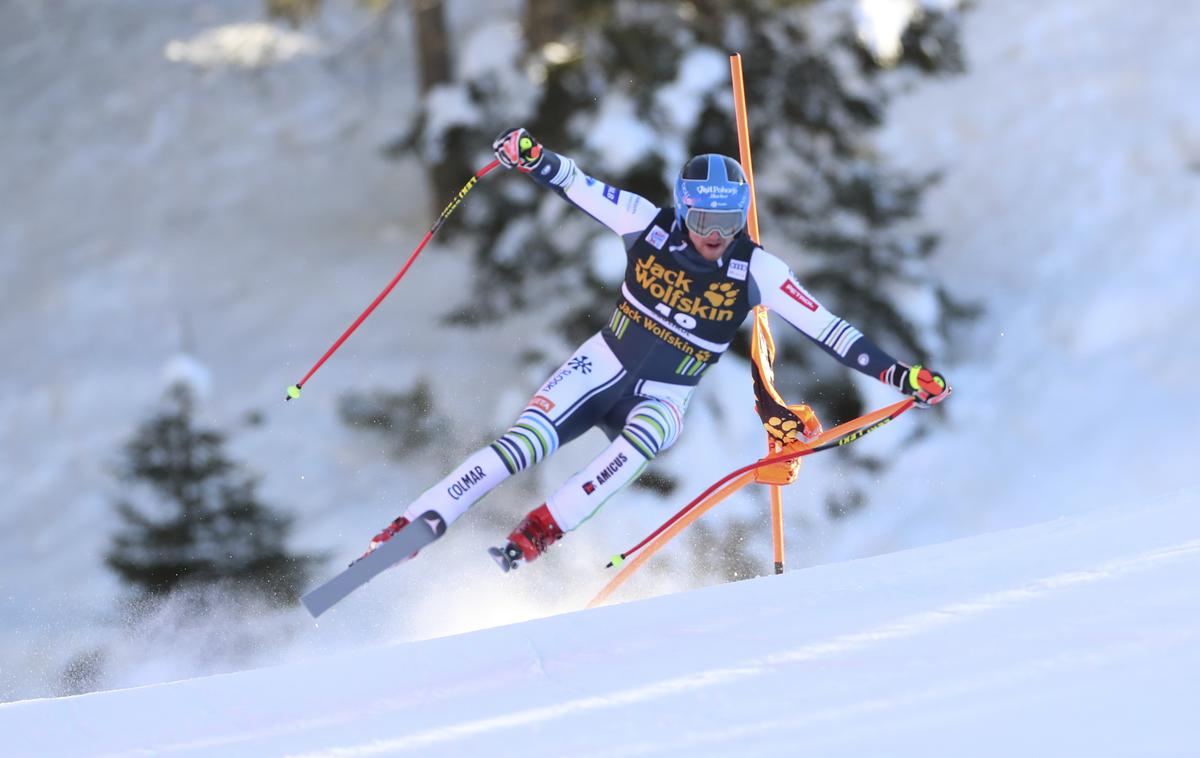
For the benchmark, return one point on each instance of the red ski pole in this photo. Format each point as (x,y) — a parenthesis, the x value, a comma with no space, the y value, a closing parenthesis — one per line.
(294,391)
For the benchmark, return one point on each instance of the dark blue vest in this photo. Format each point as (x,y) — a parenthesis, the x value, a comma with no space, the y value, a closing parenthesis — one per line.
(691,310)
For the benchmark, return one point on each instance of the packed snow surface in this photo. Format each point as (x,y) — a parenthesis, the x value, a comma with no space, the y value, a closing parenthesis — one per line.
(1079,636)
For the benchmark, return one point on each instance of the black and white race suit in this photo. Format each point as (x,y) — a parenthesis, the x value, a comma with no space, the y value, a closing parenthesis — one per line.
(677,315)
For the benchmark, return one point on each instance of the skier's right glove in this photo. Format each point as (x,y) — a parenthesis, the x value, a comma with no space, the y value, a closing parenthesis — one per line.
(517,148)
(926,386)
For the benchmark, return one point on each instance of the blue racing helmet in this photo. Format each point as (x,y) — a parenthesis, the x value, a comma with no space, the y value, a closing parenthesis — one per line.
(712,194)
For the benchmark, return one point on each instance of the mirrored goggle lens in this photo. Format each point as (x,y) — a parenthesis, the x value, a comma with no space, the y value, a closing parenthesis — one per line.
(724,223)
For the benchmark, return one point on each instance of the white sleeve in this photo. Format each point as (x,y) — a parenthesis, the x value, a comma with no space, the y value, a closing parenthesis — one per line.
(781,292)
(621,211)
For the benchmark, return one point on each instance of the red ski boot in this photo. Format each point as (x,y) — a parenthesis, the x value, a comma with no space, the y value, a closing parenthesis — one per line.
(530,539)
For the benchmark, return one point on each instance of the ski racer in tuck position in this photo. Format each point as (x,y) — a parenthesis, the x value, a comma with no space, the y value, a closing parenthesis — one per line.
(692,276)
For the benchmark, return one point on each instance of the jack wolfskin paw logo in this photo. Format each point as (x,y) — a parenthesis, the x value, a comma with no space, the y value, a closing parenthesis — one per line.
(784,430)
(723,294)
(793,423)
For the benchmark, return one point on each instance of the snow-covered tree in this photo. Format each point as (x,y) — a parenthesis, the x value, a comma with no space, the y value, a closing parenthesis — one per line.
(191,516)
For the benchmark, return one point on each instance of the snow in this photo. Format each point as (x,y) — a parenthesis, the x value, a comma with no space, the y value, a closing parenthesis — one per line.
(185,370)
(619,133)
(881,23)
(488,59)
(607,259)
(448,106)
(490,48)
(142,194)
(249,45)
(1069,211)
(1073,637)
(702,70)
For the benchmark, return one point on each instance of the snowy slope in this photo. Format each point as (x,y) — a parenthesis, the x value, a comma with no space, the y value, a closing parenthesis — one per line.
(1074,637)
(1070,207)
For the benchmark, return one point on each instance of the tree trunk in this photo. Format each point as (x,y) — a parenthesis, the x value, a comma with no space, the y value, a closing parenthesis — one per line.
(433,45)
(433,62)
(543,21)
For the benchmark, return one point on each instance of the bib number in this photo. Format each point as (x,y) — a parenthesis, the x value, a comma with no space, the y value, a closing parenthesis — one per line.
(683,319)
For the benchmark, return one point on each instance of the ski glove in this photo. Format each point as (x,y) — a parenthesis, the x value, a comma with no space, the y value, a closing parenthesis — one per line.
(517,148)
(926,386)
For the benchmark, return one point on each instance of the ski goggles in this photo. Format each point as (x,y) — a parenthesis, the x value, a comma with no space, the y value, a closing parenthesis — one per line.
(725,223)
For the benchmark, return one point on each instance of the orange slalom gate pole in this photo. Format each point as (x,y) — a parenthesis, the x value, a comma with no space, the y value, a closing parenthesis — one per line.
(659,542)
(777,525)
(743,132)
(842,434)
(838,436)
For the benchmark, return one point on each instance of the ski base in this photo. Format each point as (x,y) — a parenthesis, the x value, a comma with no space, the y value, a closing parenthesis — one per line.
(413,537)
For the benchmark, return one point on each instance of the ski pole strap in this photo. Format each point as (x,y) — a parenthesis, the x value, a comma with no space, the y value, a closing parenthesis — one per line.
(294,390)
(839,436)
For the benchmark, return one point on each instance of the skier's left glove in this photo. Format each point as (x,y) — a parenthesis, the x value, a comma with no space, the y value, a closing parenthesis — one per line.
(926,386)
(517,148)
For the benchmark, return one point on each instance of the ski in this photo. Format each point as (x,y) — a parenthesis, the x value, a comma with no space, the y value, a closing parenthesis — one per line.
(413,537)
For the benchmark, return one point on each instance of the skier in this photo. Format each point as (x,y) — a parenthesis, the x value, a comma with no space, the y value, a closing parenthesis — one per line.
(692,275)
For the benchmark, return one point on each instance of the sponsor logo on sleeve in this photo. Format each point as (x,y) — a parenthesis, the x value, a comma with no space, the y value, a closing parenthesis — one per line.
(793,290)
(542,403)
(657,237)
(555,380)
(738,270)
(611,194)
(606,473)
(582,364)
(465,482)
(612,468)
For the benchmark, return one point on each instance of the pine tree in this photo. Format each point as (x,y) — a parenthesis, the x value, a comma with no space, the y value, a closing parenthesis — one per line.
(205,524)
